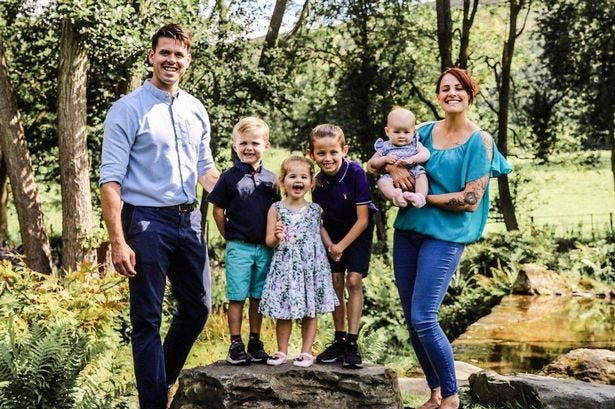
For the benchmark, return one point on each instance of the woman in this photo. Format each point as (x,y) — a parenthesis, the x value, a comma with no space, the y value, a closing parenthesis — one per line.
(429,241)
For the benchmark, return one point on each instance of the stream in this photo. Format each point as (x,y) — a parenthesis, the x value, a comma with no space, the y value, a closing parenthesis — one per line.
(524,333)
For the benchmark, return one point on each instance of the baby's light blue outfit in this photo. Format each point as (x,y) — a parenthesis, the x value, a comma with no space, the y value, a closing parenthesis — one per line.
(385,148)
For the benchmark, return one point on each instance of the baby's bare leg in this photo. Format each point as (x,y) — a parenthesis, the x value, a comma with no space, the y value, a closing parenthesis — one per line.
(417,198)
(392,193)
(421,185)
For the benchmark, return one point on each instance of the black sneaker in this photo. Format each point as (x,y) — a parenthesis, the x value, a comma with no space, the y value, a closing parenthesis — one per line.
(333,352)
(352,357)
(237,354)
(257,351)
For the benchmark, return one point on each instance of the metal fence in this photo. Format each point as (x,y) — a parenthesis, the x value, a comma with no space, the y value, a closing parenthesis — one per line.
(583,224)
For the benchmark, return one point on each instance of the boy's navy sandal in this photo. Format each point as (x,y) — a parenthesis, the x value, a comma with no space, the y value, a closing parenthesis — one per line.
(333,352)
(237,354)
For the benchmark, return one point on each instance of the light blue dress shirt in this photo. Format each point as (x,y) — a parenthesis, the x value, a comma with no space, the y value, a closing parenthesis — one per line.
(449,170)
(156,146)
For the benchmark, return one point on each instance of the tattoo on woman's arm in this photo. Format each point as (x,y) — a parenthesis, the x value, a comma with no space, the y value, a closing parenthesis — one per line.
(488,142)
(470,198)
(456,202)
(475,190)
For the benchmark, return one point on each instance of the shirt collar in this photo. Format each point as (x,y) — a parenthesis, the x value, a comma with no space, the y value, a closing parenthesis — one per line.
(339,176)
(245,168)
(158,93)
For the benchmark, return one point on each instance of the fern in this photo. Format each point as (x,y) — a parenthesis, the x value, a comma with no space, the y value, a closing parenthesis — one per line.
(40,369)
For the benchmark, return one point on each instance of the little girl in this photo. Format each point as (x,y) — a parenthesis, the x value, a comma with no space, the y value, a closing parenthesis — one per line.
(299,284)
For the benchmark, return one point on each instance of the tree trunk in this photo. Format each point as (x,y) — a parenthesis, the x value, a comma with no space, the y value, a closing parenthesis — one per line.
(74,161)
(4,201)
(466,26)
(611,136)
(445,31)
(134,78)
(21,175)
(134,68)
(272,33)
(508,207)
(302,17)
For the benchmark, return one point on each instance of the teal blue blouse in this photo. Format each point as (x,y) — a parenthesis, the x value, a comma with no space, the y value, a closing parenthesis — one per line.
(449,170)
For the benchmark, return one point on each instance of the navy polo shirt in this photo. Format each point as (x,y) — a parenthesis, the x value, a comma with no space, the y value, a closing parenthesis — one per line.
(340,194)
(245,195)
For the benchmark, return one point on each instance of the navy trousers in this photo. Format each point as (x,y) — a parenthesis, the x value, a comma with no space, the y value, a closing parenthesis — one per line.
(167,243)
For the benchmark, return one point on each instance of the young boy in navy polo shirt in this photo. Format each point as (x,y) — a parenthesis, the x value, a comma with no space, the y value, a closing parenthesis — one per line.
(342,191)
(241,198)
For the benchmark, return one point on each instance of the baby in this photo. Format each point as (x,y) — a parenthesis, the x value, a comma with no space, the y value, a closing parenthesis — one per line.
(401,148)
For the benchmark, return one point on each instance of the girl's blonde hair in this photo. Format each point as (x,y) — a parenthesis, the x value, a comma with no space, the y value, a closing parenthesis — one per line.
(326,131)
(296,159)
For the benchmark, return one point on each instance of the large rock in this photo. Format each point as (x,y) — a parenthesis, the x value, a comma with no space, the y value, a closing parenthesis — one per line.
(534,391)
(417,385)
(537,280)
(222,386)
(589,365)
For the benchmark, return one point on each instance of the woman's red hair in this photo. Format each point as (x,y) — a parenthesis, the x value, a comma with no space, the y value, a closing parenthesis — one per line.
(468,84)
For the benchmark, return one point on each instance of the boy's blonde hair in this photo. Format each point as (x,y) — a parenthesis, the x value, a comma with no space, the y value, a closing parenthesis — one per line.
(399,110)
(250,124)
(294,158)
(326,131)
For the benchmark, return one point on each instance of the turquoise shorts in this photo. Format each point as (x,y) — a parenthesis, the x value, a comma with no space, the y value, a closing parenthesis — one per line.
(247,266)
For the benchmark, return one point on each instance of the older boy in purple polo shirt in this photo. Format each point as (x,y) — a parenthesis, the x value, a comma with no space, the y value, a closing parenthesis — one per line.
(342,191)
(241,200)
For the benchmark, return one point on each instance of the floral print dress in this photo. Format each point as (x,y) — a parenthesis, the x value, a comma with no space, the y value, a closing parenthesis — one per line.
(299,283)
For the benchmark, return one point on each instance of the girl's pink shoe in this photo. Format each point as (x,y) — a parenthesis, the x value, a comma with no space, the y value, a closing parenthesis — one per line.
(304,360)
(277,359)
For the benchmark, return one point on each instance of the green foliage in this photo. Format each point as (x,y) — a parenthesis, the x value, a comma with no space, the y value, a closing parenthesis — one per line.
(40,370)
(72,361)
(383,310)
(578,52)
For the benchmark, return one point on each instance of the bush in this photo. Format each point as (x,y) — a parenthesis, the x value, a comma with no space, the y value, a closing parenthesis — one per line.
(61,346)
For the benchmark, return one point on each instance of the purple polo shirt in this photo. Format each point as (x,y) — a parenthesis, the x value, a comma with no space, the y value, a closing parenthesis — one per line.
(245,195)
(340,194)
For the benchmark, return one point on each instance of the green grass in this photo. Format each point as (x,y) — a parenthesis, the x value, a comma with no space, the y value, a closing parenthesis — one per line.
(566,194)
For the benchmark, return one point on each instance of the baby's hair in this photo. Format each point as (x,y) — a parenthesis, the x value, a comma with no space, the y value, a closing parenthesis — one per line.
(297,159)
(327,131)
(398,110)
(250,124)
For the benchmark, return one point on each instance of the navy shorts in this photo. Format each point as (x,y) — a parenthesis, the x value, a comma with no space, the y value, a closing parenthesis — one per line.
(355,259)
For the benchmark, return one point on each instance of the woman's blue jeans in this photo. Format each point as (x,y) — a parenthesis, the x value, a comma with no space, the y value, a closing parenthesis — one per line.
(423,270)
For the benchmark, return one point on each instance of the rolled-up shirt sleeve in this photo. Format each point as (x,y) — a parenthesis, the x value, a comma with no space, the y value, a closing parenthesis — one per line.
(205,159)
(119,136)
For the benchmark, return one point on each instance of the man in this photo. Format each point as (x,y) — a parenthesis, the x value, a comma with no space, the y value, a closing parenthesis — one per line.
(155,148)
